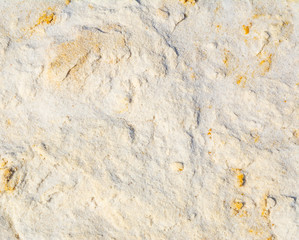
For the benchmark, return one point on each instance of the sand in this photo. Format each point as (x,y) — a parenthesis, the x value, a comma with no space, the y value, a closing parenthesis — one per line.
(161,119)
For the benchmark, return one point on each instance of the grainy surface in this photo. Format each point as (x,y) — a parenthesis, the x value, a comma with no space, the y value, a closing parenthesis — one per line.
(161,119)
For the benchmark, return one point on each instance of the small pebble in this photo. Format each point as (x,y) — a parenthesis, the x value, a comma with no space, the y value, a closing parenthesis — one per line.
(178,166)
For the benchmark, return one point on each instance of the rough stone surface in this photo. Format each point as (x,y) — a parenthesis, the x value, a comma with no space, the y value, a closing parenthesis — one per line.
(138,119)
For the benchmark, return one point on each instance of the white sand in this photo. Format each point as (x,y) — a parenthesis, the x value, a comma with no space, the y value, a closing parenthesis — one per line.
(149,119)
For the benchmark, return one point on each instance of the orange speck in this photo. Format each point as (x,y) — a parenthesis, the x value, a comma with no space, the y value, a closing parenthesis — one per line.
(3,163)
(8,122)
(255,16)
(7,173)
(9,185)
(192,2)
(256,232)
(266,64)
(262,62)
(240,176)
(237,205)
(241,179)
(210,133)
(226,57)
(242,80)
(45,18)
(236,169)
(243,214)
(265,212)
(255,136)
(246,29)
(178,166)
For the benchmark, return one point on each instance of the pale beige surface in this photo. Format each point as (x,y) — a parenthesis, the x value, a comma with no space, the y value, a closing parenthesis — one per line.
(149,119)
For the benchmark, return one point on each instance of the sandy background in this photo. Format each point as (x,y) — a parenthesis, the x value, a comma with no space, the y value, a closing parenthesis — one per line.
(163,119)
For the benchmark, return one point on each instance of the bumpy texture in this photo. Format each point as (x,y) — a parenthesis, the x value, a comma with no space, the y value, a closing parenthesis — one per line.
(138,119)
